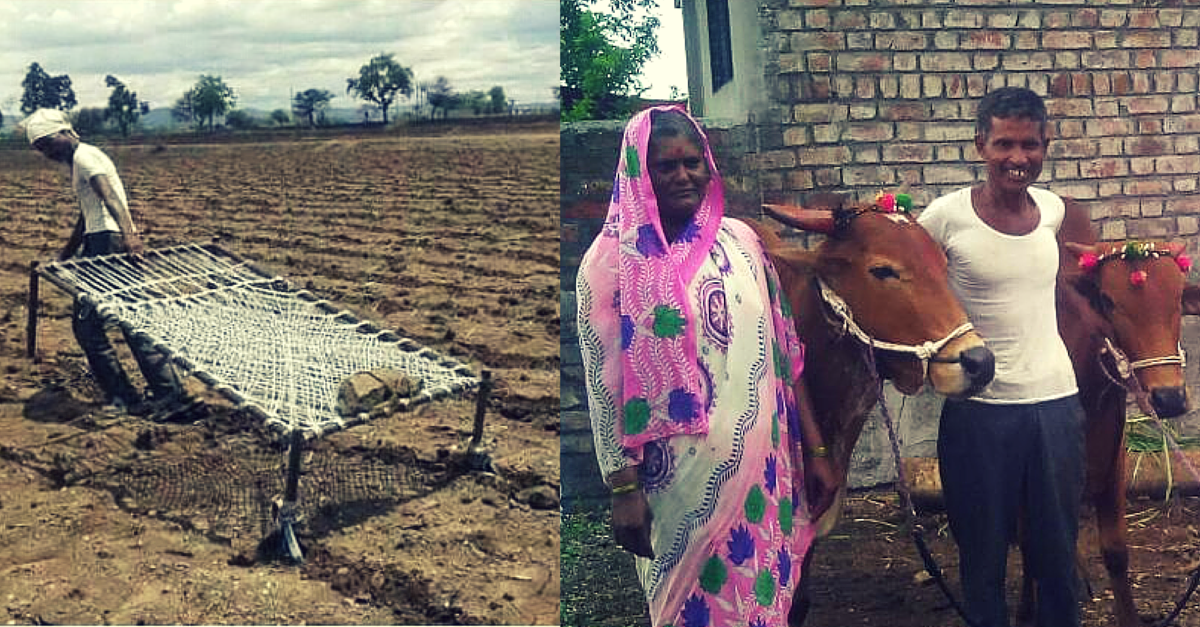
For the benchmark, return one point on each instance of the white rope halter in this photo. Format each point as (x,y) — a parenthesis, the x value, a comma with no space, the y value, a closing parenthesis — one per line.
(924,352)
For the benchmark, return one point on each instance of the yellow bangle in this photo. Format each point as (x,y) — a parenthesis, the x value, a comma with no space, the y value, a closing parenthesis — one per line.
(626,488)
(818,451)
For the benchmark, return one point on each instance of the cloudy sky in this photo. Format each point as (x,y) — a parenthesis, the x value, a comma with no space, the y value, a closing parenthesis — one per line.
(268,49)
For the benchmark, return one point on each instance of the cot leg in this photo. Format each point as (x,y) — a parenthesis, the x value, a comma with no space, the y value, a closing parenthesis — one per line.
(32,311)
(476,454)
(287,513)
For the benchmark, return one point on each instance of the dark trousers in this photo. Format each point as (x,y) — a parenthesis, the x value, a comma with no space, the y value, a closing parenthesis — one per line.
(91,333)
(999,462)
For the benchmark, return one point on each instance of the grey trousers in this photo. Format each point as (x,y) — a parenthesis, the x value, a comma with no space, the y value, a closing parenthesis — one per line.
(91,333)
(999,462)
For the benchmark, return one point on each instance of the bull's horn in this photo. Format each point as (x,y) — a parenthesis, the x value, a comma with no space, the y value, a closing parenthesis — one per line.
(1080,249)
(815,220)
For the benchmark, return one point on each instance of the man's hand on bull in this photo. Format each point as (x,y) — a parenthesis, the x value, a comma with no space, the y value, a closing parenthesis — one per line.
(631,522)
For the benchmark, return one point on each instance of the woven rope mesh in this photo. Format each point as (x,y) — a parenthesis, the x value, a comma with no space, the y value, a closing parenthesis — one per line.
(253,336)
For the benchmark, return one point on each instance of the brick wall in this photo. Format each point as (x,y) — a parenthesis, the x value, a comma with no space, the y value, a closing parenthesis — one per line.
(878,94)
(873,94)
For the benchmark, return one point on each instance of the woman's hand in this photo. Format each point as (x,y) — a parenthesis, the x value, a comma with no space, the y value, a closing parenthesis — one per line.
(631,520)
(820,483)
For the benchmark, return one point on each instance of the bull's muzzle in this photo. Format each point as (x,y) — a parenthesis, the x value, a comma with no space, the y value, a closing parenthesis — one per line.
(980,365)
(1169,402)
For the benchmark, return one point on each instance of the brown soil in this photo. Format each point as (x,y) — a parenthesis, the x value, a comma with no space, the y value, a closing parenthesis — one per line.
(452,241)
(868,572)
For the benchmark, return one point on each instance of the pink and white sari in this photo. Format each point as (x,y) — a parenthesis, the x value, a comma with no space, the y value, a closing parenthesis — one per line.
(700,398)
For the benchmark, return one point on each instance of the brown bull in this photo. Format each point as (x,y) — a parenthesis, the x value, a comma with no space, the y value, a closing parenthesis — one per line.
(1141,317)
(892,279)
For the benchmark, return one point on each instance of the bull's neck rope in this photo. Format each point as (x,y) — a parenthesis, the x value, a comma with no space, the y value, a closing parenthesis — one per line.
(924,352)
(1126,370)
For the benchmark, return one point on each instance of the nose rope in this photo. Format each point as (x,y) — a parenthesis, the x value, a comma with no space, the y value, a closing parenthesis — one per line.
(925,351)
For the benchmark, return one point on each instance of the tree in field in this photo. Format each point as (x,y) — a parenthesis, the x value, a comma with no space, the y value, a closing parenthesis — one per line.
(380,80)
(310,104)
(184,109)
(441,96)
(280,117)
(601,55)
(124,109)
(240,120)
(89,120)
(211,97)
(476,101)
(43,91)
(499,104)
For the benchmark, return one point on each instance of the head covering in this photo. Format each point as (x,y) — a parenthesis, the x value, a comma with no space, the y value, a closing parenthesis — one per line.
(661,392)
(45,122)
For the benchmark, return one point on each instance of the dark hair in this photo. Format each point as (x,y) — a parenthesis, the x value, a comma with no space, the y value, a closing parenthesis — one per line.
(673,124)
(1010,102)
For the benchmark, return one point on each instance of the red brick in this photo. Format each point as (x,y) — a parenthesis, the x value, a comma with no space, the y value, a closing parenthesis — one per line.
(1145,59)
(1073,148)
(1060,86)
(1103,168)
(863,62)
(1071,128)
(1182,124)
(818,41)
(1081,83)
(1101,84)
(1177,164)
(986,40)
(902,111)
(1147,39)
(908,153)
(1067,40)
(1086,18)
(869,132)
(868,175)
(818,19)
(1144,19)
(831,155)
(1023,62)
(1122,84)
(1106,60)
(1112,19)
(1141,82)
(1109,127)
(1147,188)
(956,86)
(820,62)
(1181,58)
(901,41)
(1069,108)
(946,62)
(1152,104)
(850,20)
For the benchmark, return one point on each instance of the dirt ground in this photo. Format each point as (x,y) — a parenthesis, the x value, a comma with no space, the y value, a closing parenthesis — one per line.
(451,240)
(867,572)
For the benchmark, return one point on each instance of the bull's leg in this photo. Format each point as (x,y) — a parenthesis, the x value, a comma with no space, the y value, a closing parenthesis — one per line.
(1110,523)
(1027,603)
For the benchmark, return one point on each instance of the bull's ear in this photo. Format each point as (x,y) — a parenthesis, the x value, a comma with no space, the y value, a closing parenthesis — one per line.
(1079,250)
(1191,300)
(814,220)
(798,260)
(768,235)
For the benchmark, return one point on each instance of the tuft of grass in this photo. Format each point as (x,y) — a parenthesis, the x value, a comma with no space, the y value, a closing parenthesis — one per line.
(1144,435)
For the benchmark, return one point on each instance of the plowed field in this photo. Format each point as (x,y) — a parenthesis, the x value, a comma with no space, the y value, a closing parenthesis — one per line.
(451,240)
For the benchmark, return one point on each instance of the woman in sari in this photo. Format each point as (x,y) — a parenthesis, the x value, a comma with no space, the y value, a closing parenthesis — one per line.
(690,362)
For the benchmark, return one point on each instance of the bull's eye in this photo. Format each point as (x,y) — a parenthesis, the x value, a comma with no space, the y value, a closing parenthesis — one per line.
(883,272)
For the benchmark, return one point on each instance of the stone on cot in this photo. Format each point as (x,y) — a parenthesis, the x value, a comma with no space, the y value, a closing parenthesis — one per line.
(365,392)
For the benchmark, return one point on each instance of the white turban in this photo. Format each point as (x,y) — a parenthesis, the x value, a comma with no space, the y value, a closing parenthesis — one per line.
(45,122)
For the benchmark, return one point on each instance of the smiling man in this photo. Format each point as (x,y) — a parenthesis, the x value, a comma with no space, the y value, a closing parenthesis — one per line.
(104,227)
(1016,448)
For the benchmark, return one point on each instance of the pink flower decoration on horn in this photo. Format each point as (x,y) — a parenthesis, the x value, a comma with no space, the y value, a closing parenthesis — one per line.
(1138,278)
(887,202)
(1184,262)
(1088,261)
